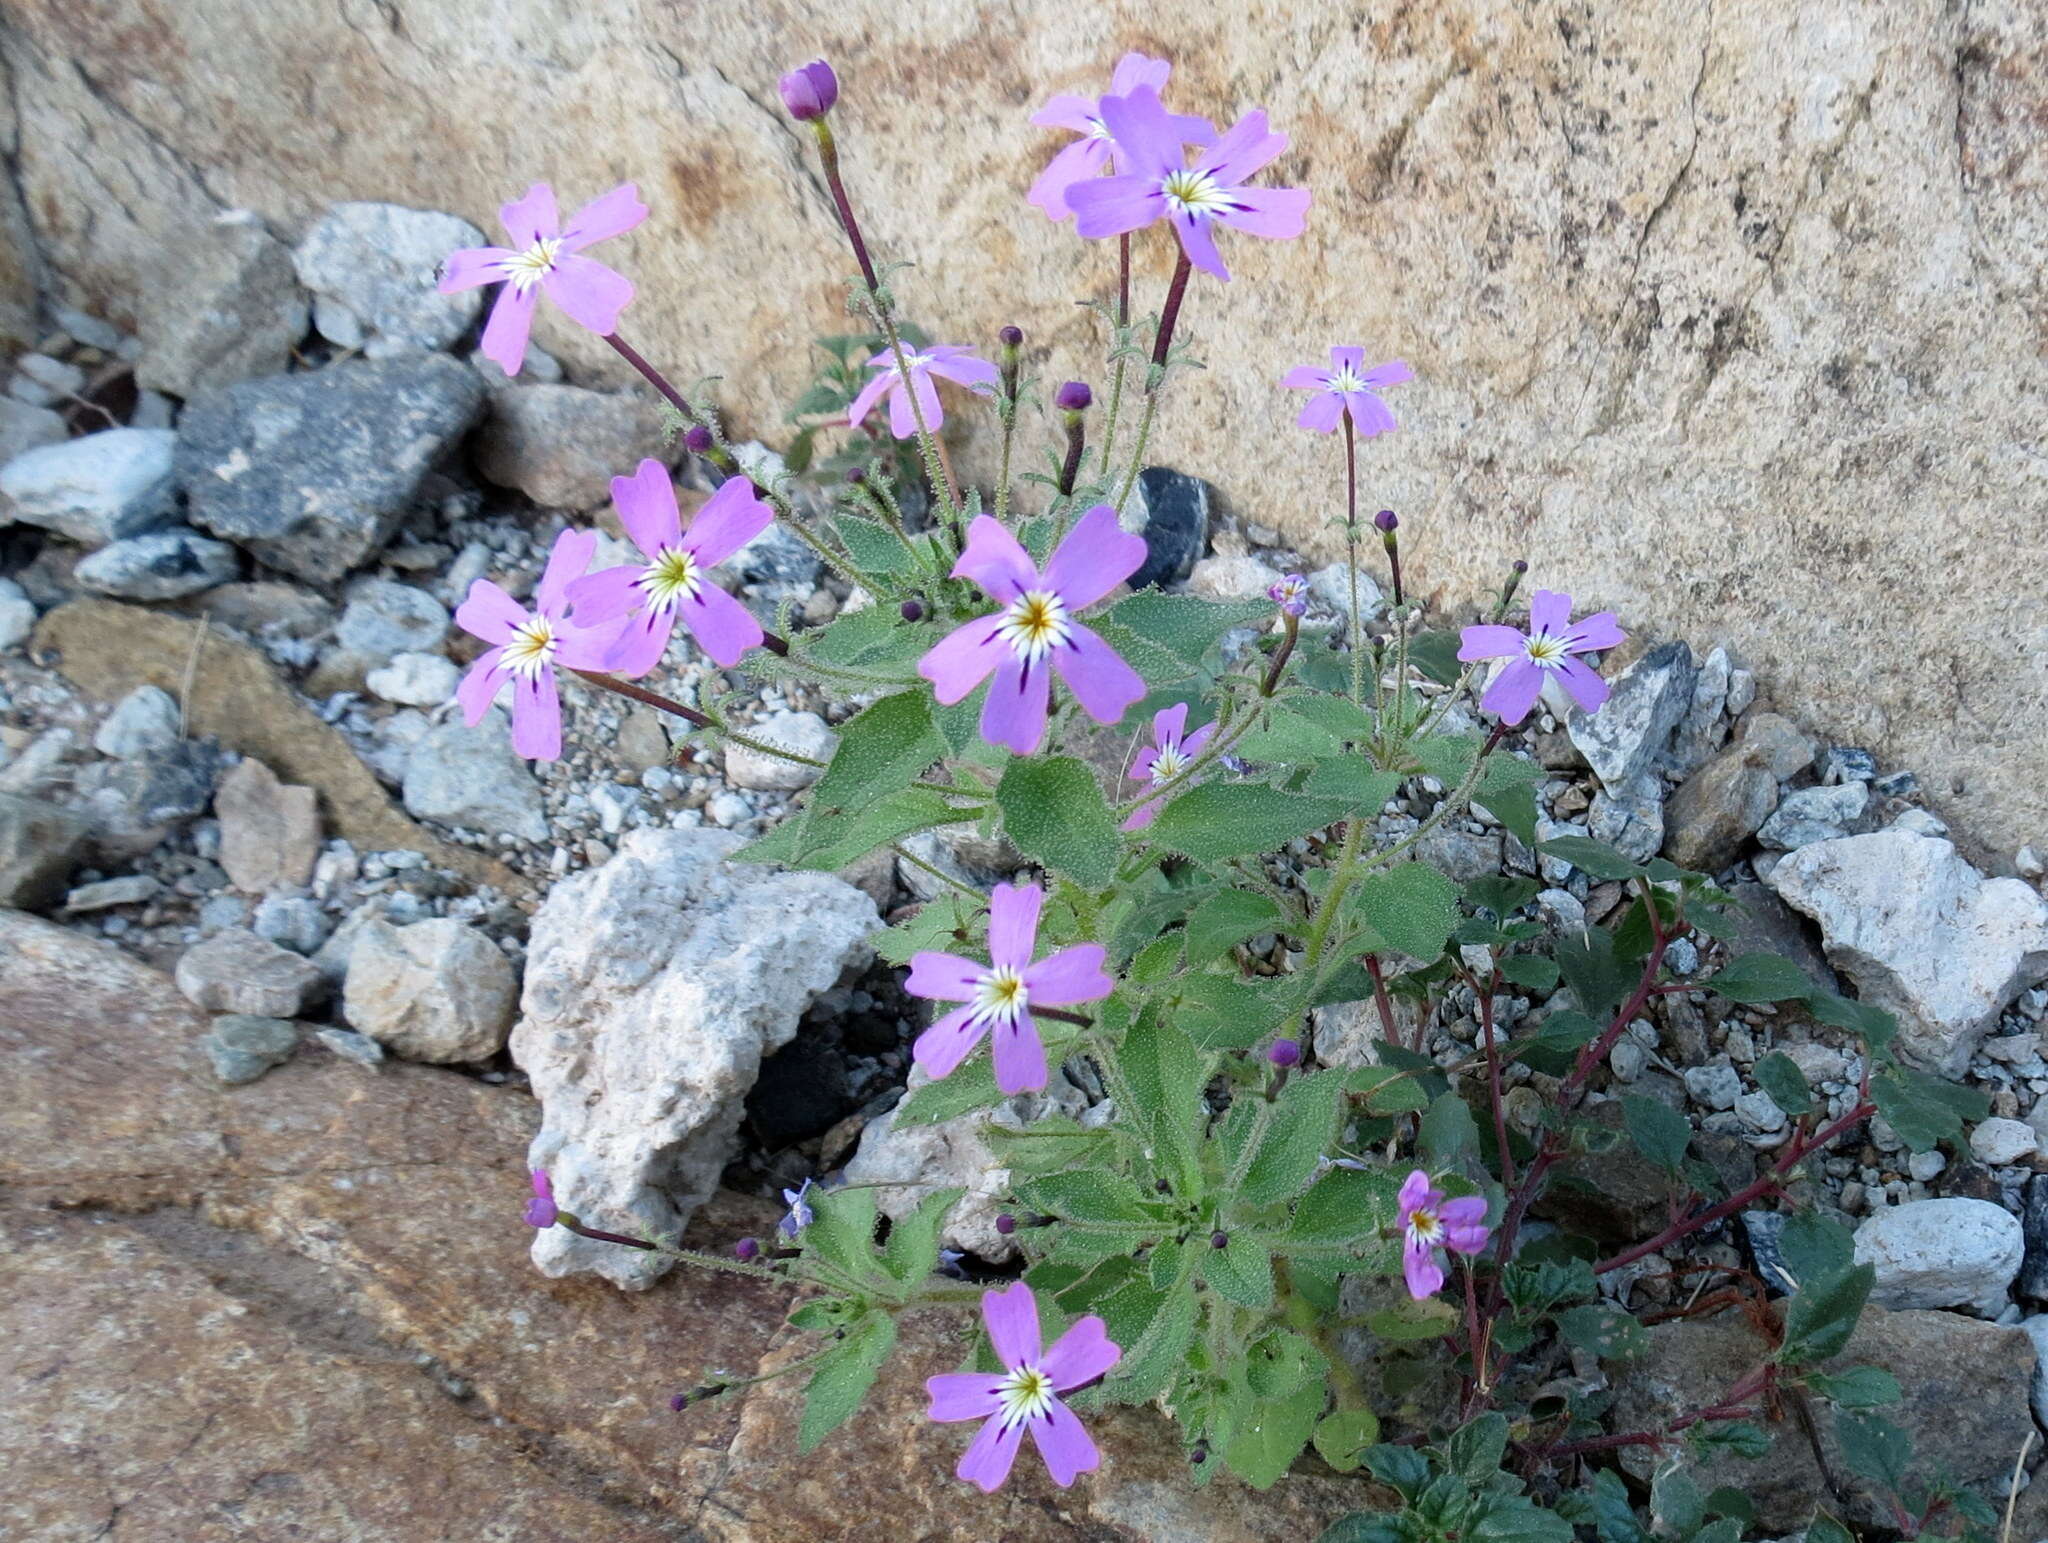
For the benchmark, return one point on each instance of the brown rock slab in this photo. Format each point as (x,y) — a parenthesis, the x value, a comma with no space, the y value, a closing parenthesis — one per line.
(108,649)
(269,830)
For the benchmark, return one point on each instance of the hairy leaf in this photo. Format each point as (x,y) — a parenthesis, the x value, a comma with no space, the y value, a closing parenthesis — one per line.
(842,1378)
(1054,810)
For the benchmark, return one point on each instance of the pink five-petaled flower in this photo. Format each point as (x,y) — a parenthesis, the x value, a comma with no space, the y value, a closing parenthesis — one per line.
(528,647)
(1000,994)
(1430,1222)
(675,582)
(1542,654)
(1087,156)
(1035,630)
(541,1210)
(1025,1394)
(1160,185)
(945,360)
(543,257)
(1347,383)
(1166,757)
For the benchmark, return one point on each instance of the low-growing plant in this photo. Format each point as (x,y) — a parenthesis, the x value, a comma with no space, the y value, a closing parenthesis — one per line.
(1288,1257)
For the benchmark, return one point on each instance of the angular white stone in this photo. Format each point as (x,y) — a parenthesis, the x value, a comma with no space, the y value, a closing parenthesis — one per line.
(1942,1253)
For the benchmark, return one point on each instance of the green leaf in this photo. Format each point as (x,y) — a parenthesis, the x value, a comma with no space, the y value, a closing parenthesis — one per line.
(842,1231)
(881,751)
(1531,970)
(1501,894)
(1402,1469)
(972,1086)
(875,639)
(1297,1132)
(1658,1131)
(1874,1025)
(1448,1131)
(1429,1318)
(1557,1041)
(1604,1330)
(1859,1387)
(1507,791)
(1825,1529)
(1875,1448)
(1339,716)
(842,1378)
(1779,1075)
(826,843)
(1220,820)
(873,548)
(1054,811)
(912,1251)
(1224,1014)
(1436,655)
(1352,780)
(1268,1442)
(1157,960)
(1387,1090)
(1093,1199)
(1242,1272)
(1411,906)
(1600,981)
(1345,1206)
(1822,1315)
(1614,1518)
(1163,1074)
(1157,1353)
(1761,978)
(1814,1247)
(1677,1504)
(1594,858)
(1742,1438)
(1914,1107)
(1289,738)
(1228,918)
(1342,1435)
(1475,1449)
(1183,624)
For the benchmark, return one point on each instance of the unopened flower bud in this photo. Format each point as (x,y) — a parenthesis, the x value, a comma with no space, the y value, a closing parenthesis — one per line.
(1219,1240)
(1012,336)
(1386,521)
(811,91)
(1199,1453)
(1521,565)
(697,439)
(678,1402)
(912,611)
(1284,1052)
(1073,397)
(746,1250)
(1006,1224)
(856,475)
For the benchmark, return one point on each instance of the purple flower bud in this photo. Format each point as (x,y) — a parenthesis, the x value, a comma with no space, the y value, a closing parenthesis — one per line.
(678,1402)
(1006,1224)
(1284,1052)
(856,475)
(811,91)
(1073,397)
(1199,1453)
(697,439)
(541,1210)
(912,611)
(1012,336)
(1521,566)
(1385,520)
(746,1250)
(1219,1240)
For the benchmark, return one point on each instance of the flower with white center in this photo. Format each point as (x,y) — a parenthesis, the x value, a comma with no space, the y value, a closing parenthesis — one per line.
(1543,658)
(1171,752)
(1025,1395)
(1096,150)
(1034,624)
(914,378)
(1000,995)
(1347,386)
(1290,594)
(1430,1221)
(800,1213)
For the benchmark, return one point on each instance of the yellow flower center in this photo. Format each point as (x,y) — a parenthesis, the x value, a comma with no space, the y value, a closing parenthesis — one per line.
(1193,192)
(1000,994)
(1171,761)
(526,269)
(1425,1226)
(531,649)
(1545,650)
(672,575)
(1025,1394)
(1033,623)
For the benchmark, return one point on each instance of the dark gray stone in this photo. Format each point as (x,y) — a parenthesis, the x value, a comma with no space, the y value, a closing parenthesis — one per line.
(39,846)
(1650,699)
(312,473)
(133,803)
(1761,923)
(1843,763)
(1764,1229)
(1176,530)
(2032,1280)
(243,1047)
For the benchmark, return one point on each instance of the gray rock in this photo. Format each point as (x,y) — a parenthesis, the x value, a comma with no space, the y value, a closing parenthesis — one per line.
(269,830)
(1717,1085)
(1765,1230)
(1942,1253)
(1630,818)
(1460,854)
(1704,729)
(1350,1033)
(2032,1282)
(130,889)
(962,853)
(1172,513)
(805,733)
(243,1046)
(24,428)
(311,473)
(1761,923)
(1921,822)
(1649,699)
(1843,763)
(562,445)
(133,804)
(159,565)
(1923,934)
(40,845)
(42,381)
(291,921)
(654,985)
(1898,784)
(234,971)
(1232,577)
(1332,586)
(1925,1167)
(415,680)
(1999,1142)
(776,563)
(1815,814)
(373,269)
(17,614)
(359,1048)
(96,489)
(1779,744)
(471,778)
(1759,1112)
(1717,809)
(385,618)
(2036,1329)
(241,311)
(909,1163)
(143,722)
(435,991)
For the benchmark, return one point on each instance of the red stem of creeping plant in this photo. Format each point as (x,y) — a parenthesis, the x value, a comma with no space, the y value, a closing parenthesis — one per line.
(651,698)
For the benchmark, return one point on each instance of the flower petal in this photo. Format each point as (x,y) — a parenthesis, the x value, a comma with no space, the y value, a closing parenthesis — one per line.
(1169,724)
(870,394)
(537,717)
(1550,612)
(963,368)
(1063,1441)
(528,219)
(639,647)
(944,977)
(1012,1319)
(1306,377)
(1278,214)
(1514,691)
(926,395)
(489,613)
(723,627)
(1198,240)
(1110,206)
(1014,714)
(1586,687)
(1323,413)
(1019,1056)
(1600,630)
(1490,642)
(941,1048)
(586,647)
(1102,683)
(962,660)
(568,561)
(1096,556)
(473,266)
(646,502)
(1080,1355)
(607,215)
(988,1458)
(1071,975)
(1143,131)
(479,688)
(730,518)
(504,340)
(1242,149)
(1414,1192)
(1143,815)
(902,420)
(1347,356)
(1067,111)
(1075,163)
(963,1396)
(590,294)
(1369,415)
(607,595)
(1192,745)
(1013,911)
(1135,69)
(1394,372)
(1419,1267)
(996,560)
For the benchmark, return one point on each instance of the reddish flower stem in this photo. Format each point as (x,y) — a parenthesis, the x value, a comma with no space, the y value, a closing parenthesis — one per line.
(653,699)
(828,157)
(1123,279)
(1381,999)
(1169,317)
(1500,1110)
(1734,1405)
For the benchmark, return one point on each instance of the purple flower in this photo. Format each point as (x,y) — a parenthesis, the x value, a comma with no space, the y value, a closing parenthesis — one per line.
(529,646)
(810,91)
(943,360)
(1089,155)
(541,1210)
(1347,383)
(1073,397)
(1284,1052)
(1025,1395)
(1166,757)
(1541,655)
(1160,186)
(999,995)
(800,1213)
(1036,627)
(543,257)
(1430,1222)
(1290,594)
(675,583)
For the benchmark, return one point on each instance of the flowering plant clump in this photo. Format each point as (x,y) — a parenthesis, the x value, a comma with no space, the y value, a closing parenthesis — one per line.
(1292,1244)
